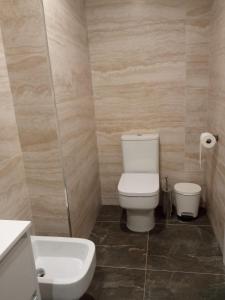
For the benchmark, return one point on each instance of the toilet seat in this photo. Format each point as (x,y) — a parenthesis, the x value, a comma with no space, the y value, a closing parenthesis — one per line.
(139,184)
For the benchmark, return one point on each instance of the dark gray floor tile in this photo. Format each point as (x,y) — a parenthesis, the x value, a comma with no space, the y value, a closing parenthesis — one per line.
(173,246)
(115,233)
(116,284)
(201,220)
(111,213)
(183,286)
(121,256)
(184,248)
(117,246)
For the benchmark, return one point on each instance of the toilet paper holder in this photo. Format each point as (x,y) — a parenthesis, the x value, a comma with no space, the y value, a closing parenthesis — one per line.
(208,141)
(216,137)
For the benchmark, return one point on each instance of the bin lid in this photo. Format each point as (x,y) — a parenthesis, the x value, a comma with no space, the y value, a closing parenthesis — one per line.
(186,188)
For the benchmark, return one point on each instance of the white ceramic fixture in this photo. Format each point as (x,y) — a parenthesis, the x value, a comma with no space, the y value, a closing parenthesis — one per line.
(139,184)
(17,269)
(65,266)
(187,196)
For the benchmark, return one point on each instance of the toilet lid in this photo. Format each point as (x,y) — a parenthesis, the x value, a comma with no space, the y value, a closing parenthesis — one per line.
(138,184)
(187,188)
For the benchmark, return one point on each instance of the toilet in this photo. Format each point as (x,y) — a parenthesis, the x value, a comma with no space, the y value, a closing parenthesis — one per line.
(187,198)
(138,187)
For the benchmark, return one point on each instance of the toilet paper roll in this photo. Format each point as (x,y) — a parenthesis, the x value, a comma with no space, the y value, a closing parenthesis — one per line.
(208,141)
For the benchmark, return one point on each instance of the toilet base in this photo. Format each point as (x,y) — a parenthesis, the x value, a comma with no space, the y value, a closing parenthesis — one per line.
(140,220)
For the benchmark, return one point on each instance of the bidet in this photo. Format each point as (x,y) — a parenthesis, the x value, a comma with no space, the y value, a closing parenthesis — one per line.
(65,266)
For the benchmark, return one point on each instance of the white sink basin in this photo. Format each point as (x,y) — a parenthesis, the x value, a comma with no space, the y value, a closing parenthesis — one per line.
(65,266)
(10,232)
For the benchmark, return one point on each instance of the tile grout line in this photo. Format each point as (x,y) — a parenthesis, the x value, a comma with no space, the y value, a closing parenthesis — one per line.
(161,223)
(146,266)
(160,270)
(120,267)
(183,224)
(106,221)
(185,272)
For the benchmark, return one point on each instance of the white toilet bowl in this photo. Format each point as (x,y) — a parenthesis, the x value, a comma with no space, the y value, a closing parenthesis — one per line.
(65,266)
(139,195)
(139,184)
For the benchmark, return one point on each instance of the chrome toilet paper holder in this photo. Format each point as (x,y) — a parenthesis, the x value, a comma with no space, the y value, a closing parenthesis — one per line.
(216,137)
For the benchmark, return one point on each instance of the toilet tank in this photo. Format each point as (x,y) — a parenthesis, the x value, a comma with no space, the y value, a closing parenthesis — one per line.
(140,153)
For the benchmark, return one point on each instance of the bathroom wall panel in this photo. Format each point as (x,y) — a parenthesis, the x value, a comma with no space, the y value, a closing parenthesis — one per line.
(30,79)
(149,65)
(197,79)
(216,120)
(14,201)
(69,56)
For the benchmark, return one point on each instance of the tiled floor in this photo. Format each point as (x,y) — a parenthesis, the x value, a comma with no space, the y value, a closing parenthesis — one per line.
(175,261)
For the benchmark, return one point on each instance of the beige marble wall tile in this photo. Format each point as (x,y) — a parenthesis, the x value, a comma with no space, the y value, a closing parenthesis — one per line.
(198,8)
(150,73)
(14,202)
(53,226)
(30,79)
(69,56)
(216,121)
(197,79)
(196,123)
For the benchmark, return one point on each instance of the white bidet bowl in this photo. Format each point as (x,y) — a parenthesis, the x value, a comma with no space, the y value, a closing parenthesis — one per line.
(65,266)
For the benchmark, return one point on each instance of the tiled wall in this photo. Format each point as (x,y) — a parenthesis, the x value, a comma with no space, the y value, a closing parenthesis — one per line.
(150,73)
(216,121)
(26,52)
(48,61)
(69,56)
(14,202)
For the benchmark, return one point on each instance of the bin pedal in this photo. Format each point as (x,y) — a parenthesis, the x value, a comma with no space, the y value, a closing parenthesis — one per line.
(186,216)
